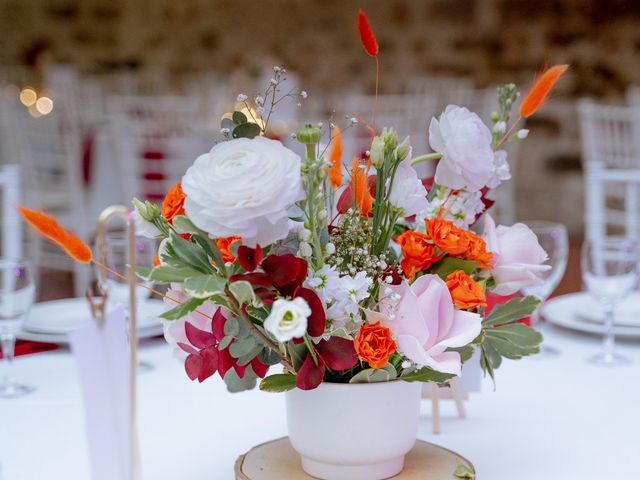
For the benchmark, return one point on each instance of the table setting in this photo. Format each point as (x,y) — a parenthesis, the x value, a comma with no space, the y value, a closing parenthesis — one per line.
(281,311)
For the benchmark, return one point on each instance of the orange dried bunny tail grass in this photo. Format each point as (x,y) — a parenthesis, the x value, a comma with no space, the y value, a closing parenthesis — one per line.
(360,188)
(541,89)
(367,37)
(335,160)
(48,227)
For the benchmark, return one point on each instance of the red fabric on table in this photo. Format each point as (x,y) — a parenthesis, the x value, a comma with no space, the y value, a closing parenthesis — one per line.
(493,300)
(26,347)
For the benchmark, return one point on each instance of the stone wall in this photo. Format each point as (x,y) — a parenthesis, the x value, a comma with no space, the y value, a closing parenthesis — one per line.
(490,41)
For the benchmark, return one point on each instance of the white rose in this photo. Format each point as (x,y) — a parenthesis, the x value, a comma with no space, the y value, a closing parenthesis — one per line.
(517,256)
(144,228)
(288,319)
(244,187)
(465,144)
(407,192)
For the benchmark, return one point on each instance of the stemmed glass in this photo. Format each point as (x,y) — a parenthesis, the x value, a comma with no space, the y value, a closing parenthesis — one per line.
(610,273)
(117,287)
(17,294)
(553,238)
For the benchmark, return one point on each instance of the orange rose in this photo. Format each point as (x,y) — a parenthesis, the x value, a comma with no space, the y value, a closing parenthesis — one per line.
(418,253)
(465,291)
(447,237)
(224,244)
(374,345)
(478,251)
(173,204)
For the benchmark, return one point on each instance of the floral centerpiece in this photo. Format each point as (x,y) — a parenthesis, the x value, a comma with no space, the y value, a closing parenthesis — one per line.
(345,274)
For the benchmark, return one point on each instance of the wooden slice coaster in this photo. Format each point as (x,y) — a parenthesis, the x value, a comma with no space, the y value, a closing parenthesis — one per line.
(277,460)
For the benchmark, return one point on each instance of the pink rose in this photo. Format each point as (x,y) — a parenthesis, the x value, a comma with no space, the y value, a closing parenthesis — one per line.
(517,256)
(425,323)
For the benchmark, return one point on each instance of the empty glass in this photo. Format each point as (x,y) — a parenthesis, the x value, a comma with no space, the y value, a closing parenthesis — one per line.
(117,287)
(17,294)
(609,271)
(553,238)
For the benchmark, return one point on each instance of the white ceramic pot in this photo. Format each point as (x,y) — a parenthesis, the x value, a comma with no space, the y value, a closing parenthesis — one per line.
(354,432)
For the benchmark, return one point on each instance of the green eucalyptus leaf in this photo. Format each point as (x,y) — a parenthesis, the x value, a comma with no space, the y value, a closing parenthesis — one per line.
(227,123)
(204,286)
(170,274)
(225,342)
(239,118)
(242,347)
(253,353)
(449,265)
(246,130)
(511,311)
(374,375)
(236,384)
(279,382)
(243,291)
(231,326)
(269,357)
(294,212)
(426,374)
(182,309)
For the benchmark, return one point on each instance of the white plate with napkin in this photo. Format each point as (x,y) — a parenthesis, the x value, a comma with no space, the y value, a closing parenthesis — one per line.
(52,321)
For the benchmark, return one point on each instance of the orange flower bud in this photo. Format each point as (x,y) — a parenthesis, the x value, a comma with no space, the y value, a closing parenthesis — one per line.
(374,345)
(173,204)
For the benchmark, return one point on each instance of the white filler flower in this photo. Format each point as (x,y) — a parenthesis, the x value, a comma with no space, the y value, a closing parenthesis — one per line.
(244,187)
(288,319)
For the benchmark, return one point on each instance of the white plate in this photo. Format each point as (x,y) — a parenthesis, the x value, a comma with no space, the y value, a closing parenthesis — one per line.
(627,313)
(563,311)
(52,321)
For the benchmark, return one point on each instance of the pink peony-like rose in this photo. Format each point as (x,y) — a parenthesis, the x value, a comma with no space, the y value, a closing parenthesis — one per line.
(465,144)
(517,256)
(425,323)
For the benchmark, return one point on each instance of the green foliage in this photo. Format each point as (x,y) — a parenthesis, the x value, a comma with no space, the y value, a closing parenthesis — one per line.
(185,225)
(239,118)
(448,265)
(169,274)
(462,471)
(298,353)
(204,286)
(511,311)
(426,374)
(465,352)
(242,347)
(279,382)
(182,309)
(246,130)
(243,291)
(269,357)
(374,375)
(236,384)
(191,253)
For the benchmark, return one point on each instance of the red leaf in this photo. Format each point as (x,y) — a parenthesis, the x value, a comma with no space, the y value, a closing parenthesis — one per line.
(338,353)
(198,338)
(257,279)
(209,363)
(217,324)
(317,319)
(286,271)
(345,202)
(193,365)
(368,39)
(259,368)
(266,295)
(187,348)
(310,375)
(249,258)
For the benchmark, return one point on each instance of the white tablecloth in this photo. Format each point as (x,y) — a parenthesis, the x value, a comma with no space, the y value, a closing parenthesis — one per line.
(555,418)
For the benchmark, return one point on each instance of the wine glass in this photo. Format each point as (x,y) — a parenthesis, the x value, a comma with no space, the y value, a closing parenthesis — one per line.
(17,294)
(115,282)
(553,238)
(610,273)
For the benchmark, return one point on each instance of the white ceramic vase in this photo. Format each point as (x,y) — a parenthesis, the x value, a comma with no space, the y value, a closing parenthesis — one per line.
(354,431)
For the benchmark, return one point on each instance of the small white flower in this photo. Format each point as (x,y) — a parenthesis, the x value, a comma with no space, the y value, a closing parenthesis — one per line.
(288,319)
(273,81)
(277,69)
(259,100)
(260,111)
(500,127)
(320,124)
(305,249)
(144,228)
(322,214)
(303,94)
(405,364)
(326,282)
(304,234)
(241,97)
(500,169)
(225,131)
(522,133)
(330,248)
(353,121)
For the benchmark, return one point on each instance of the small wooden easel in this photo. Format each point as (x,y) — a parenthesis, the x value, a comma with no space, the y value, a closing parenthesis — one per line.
(435,394)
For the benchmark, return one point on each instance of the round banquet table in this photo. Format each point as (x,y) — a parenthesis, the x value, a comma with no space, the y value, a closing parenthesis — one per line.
(553,418)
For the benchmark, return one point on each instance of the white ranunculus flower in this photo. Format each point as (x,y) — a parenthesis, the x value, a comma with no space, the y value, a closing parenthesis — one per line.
(501,170)
(407,192)
(517,256)
(144,228)
(288,319)
(244,187)
(465,144)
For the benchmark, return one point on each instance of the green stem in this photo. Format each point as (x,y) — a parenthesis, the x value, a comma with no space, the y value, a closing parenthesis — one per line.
(426,157)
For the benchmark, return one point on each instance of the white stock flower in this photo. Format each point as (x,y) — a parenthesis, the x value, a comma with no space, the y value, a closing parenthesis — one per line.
(500,171)
(407,192)
(347,297)
(325,282)
(244,187)
(462,209)
(144,228)
(288,319)
(465,144)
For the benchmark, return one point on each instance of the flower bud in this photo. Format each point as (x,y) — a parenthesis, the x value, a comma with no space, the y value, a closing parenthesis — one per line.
(305,250)
(330,248)
(390,137)
(377,152)
(309,134)
(402,150)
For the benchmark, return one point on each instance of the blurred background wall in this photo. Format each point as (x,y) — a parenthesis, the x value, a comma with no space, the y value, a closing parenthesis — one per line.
(489,41)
